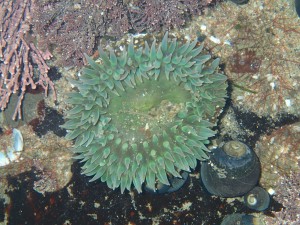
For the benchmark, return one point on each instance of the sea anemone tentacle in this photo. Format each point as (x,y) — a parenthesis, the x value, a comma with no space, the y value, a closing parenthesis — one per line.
(145,114)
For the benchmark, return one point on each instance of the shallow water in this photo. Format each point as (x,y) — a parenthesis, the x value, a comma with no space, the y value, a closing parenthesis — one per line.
(44,185)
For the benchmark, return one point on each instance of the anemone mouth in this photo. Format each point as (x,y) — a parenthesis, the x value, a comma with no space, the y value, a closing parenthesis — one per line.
(139,116)
(148,109)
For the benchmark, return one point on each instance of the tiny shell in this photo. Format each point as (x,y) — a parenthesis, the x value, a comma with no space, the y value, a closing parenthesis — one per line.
(203,27)
(258,199)
(11,146)
(214,39)
(288,102)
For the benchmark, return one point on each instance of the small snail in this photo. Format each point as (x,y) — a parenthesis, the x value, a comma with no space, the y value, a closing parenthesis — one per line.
(258,199)
(232,170)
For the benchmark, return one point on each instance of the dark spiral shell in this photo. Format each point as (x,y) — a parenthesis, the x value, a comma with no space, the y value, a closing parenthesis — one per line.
(232,170)
(242,219)
(258,199)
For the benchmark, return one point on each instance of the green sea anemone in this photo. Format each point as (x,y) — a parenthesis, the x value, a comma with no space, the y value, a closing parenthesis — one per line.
(143,115)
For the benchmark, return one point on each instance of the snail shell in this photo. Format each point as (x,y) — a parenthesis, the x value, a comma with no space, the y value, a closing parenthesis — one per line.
(243,219)
(231,171)
(258,199)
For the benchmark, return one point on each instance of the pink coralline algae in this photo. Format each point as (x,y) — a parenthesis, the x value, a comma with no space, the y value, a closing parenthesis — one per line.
(71,28)
(157,15)
(18,55)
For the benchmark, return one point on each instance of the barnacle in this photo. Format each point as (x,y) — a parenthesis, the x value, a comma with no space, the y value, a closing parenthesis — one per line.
(143,115)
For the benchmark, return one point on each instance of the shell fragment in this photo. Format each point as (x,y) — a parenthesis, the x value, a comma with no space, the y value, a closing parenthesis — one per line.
(11,146)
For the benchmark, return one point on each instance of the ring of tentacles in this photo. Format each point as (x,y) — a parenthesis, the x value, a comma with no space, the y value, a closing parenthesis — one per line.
(143,114)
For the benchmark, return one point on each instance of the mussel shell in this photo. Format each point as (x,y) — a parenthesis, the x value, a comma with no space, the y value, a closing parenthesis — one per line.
(3,159)
(231,171)
(17,140)
(11,147)
(258,199)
